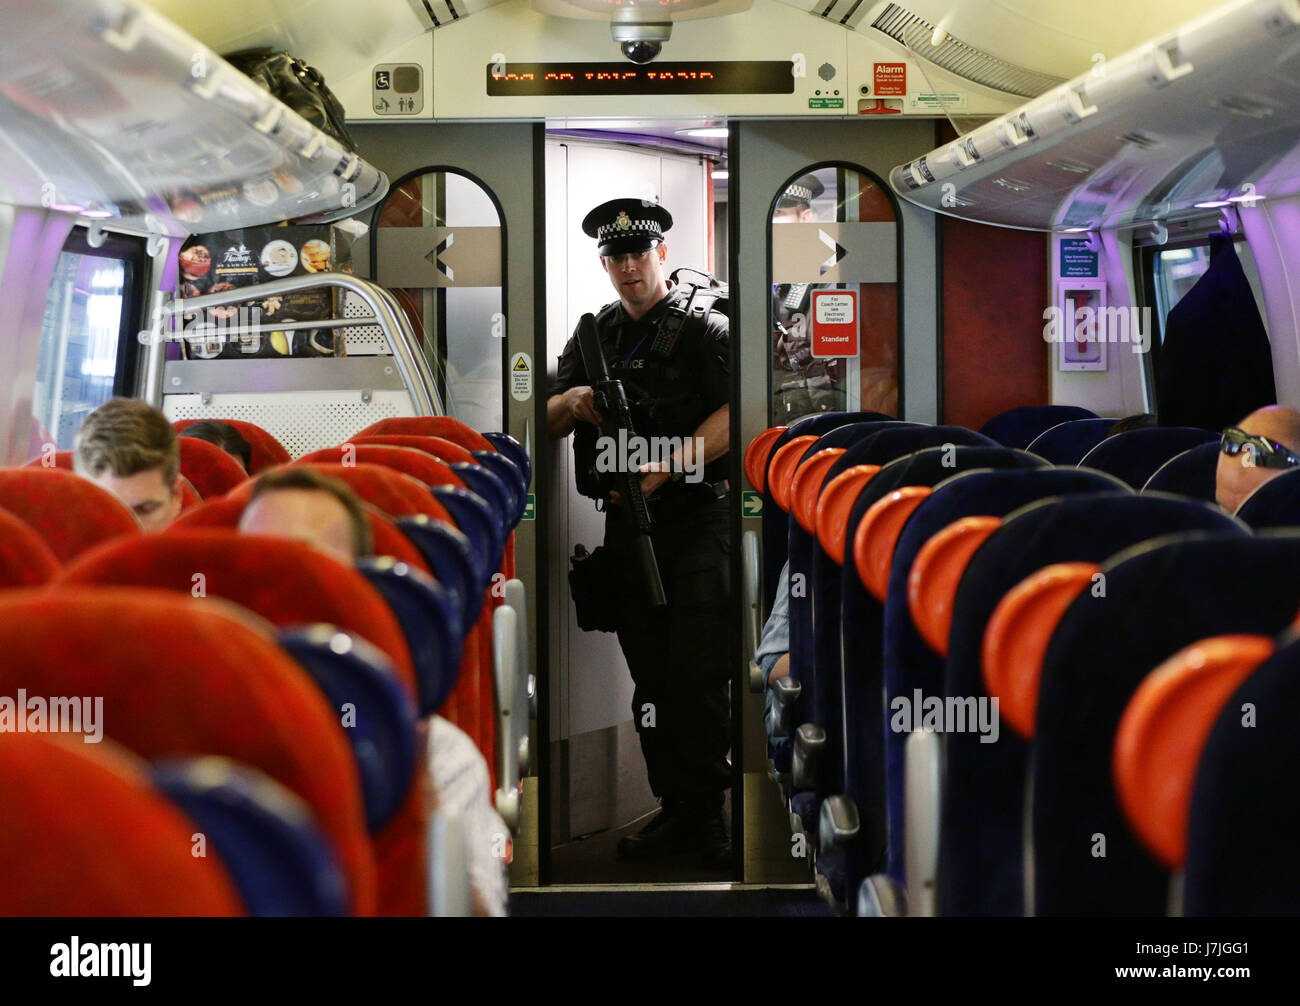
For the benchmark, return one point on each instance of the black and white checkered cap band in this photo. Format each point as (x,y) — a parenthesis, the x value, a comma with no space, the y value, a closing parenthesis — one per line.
(800,192)
(634,229)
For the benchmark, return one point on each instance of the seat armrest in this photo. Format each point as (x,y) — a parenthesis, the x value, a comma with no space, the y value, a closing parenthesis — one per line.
(881,897)
(838,822)
(809,740)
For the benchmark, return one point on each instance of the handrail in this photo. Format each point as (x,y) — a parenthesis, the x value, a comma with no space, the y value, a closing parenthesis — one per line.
(384,313)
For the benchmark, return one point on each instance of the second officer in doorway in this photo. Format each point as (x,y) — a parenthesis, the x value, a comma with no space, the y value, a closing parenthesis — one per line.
(674,364)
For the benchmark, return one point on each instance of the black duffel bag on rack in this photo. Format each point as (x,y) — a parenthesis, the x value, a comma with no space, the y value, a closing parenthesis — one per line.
(298,85)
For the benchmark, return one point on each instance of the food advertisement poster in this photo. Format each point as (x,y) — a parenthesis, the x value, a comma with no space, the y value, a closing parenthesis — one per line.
(228,260)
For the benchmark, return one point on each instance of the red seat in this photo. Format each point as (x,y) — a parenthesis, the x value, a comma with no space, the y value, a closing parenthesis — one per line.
(118,849)
(287,583)
(71,514)
(431,426)
(210,470)
(185,678)
(25,560)
(395,494)
(226,512)
(440,447)
(61,459)
(266,451)
(406,460)
(190,497)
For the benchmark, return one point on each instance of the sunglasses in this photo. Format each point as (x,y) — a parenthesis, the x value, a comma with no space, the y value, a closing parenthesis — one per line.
(1264,453)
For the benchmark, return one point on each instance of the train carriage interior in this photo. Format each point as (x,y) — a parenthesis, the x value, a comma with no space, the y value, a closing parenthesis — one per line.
(991,341)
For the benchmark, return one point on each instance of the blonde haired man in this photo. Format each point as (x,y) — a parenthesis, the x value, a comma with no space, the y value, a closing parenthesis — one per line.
(127,447)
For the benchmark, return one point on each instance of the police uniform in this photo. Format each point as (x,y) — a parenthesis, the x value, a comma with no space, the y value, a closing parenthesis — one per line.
(801,383)
(678,655)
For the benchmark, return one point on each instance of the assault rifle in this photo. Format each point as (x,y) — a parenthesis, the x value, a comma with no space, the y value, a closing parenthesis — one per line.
(610,400)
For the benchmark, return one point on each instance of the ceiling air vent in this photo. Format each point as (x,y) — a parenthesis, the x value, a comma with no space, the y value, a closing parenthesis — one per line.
(1241,105)
(1140,140)
(957,57)
(1068,166)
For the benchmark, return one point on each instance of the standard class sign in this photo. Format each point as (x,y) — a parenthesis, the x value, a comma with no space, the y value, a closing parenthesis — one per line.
(890,80)
(835,323)
(521,377)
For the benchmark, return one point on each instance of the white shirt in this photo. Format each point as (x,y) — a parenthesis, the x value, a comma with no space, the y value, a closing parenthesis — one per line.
(460,778)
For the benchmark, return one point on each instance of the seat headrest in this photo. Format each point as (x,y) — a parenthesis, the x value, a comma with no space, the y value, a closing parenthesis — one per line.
(71,514)
(1135,455)
(265,451)
(432,426)
(285,582)
(181,677)
(210,470)
(25,560)
(121,848)
(1019,426)
(757,454)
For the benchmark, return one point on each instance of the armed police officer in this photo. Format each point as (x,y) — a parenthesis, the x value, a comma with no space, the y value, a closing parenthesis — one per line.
(671,353)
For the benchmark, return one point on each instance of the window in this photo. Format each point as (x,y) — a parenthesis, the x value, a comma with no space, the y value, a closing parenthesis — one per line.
(834,294)
(436,245)
(1174,271)
(84,358)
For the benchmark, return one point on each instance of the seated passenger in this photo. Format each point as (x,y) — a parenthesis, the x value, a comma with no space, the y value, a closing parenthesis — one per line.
(127,447)
(1139,421)
(773,654)
(1264,444)
(303,505)
(222,435)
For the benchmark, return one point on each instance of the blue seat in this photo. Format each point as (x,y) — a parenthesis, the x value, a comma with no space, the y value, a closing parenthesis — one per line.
(358,680)
(846,622)
(1019,426)
(511,477)
(1191,474)
(489,486)
(515,451)
(1276,503)
(774,518)
(264,835)
(1243,838)
(1159,597)
(1134,455)
(984,784)
(477,519)
(798,548)
(909,664)
(450,554)
(1067,443)
(430,621)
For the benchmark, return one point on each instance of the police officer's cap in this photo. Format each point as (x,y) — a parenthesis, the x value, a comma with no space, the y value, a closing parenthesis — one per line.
(801,192)
(627,225)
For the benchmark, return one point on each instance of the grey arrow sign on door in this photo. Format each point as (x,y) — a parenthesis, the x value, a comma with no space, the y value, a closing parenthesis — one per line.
(419,257)
(834,253)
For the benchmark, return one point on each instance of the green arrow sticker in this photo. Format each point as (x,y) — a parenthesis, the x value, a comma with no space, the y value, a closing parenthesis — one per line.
(751,504)
(530,511)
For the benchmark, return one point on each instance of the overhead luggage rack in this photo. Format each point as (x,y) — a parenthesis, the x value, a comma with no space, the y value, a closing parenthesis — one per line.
(1202,117)
(306,404)
(109,111)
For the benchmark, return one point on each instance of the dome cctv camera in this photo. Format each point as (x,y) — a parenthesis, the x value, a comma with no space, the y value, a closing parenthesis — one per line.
(641,52)
(640,41)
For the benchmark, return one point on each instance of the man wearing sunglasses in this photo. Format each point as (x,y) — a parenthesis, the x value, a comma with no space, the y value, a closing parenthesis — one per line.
(1264,444)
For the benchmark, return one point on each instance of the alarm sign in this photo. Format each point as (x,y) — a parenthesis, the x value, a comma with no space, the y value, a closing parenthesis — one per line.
(835,323)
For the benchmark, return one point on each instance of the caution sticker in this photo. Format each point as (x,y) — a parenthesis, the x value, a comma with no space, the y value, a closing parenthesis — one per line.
(521,377)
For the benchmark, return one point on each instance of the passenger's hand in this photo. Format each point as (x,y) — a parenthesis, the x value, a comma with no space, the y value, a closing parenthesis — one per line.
(651,479)
(581,405)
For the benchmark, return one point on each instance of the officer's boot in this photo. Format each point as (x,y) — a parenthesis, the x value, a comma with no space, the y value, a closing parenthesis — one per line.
(711,835)
(670,831)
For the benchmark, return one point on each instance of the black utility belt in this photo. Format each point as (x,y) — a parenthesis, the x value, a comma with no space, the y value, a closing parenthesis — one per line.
(683,497)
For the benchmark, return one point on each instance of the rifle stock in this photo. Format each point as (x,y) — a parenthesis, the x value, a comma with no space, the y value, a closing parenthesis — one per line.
(611,402)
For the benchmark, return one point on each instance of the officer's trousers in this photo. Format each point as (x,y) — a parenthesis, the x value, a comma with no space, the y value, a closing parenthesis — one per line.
(678,656)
